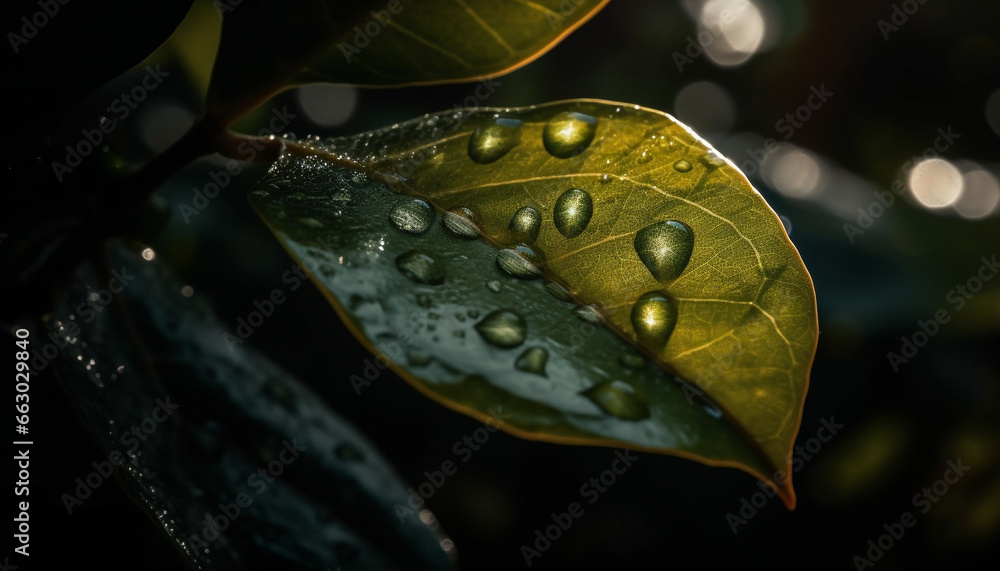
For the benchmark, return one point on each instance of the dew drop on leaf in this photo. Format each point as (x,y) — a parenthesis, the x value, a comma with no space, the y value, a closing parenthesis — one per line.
(572,212)
(665,248)
(462,222)
(654,316)
(412,215)
(533,360)
(490,142)
(682,166)
(568,134)
(619,399)
(421,267)
(525,224)
(503,328)
(520,261)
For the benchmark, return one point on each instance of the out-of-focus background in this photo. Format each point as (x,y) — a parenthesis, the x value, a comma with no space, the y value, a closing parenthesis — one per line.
(826,106)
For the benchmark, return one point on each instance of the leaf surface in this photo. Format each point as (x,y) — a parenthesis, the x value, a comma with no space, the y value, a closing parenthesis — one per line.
(270,46)
(650,230)
(333,500)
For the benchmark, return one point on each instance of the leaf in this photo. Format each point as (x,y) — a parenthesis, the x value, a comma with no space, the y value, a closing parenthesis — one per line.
(271,46)
(334,504)
(603,199)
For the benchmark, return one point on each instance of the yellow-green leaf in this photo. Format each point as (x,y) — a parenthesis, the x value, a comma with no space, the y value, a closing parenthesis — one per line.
(270,46)
(649,228)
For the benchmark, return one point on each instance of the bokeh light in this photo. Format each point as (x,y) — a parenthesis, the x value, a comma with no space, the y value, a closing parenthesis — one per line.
(935,183)
(980,194)
(164,124)
(328,105)
(706,107)
(795,173)
(731,31)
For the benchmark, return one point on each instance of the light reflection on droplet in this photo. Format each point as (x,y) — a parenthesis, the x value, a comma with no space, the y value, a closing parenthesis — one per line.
(796,173)
(731,31)
(935,183)
(980,195)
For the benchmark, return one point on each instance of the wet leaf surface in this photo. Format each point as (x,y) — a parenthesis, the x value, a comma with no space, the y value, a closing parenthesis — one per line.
(237,440)
(647,229)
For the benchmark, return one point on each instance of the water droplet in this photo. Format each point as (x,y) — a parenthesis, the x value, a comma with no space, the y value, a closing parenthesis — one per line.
(491,141)
(310,222)
(559,292)
(682,166)
(632,360)
(348,452)
(618,398)
(572,212)
(525,224)
(653,319)
(665,248)
(462,222)
(503,328)
(417,358)
(421,267)
(520,261)
(412,215)
(590,314)
(533,360)
(568,134)
(494,286)
(645,155)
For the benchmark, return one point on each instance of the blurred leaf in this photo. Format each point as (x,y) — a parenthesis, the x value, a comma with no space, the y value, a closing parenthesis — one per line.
(236,412)
(271,46)
(629,211)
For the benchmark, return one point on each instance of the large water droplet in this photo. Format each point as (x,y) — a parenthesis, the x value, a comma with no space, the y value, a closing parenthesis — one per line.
(494,286)
(494,140)
(618,398)
(525,224)
(665,248)
(653,319)
(421,267)
(461,221)
(412,215)
(520,261)
(682,166)
(533,360)
(503,328)
(572,212)
(589,313)
(568,134)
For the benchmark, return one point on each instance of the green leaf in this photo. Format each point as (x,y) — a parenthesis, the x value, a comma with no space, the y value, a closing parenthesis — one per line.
(271,46)
(336,501)
(606,201)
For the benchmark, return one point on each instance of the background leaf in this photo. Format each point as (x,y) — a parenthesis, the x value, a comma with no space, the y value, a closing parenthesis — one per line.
(333,505)
(504,167)
(271,46)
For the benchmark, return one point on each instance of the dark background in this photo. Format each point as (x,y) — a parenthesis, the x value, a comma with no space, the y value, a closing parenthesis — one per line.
(900,429)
